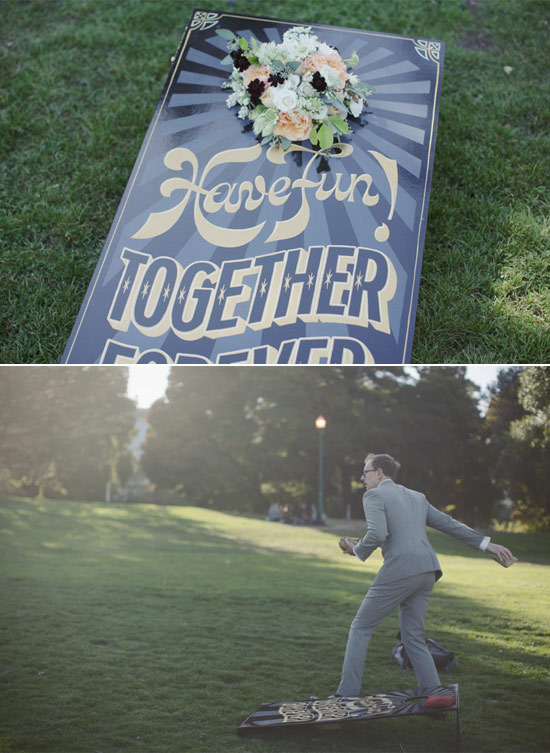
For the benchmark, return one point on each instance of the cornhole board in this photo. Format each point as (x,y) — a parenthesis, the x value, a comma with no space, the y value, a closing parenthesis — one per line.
(331,711)
(323,266)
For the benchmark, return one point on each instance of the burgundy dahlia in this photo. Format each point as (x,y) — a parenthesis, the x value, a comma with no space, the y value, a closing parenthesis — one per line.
(275,79)
(318,82)
(255,89)
(239,60)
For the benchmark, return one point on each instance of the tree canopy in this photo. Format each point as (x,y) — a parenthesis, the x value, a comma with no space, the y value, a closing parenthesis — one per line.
(238,439)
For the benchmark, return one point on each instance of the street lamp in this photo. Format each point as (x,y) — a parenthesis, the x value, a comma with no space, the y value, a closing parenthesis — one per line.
(320,424)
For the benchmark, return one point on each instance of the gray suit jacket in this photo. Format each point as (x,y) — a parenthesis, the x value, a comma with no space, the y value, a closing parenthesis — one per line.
(396,521)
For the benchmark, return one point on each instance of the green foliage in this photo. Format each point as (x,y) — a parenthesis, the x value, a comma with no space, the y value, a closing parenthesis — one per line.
(229,36)
(71,134)
(520,465)
(141,628)
(225,437)
(65,430)
(340,125)
(534,396)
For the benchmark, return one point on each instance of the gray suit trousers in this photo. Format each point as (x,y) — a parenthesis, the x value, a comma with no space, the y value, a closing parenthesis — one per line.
(411,595)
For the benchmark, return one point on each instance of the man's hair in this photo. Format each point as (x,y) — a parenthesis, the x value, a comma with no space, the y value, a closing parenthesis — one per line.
(389,465)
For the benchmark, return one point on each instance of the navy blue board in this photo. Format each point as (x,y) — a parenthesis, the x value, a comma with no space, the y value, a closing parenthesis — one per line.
(328,712)
(316,262)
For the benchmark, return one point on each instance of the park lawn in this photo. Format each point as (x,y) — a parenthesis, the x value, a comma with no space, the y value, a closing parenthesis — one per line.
(159,629)
(79,81)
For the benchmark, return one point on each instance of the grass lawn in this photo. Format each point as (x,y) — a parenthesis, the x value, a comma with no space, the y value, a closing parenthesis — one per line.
(79,81)
(140,628)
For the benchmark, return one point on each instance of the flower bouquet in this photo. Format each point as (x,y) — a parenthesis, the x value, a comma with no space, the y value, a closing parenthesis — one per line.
(296,90)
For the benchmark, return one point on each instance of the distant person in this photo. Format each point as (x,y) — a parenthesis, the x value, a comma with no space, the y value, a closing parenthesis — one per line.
(274,513)
(396,521)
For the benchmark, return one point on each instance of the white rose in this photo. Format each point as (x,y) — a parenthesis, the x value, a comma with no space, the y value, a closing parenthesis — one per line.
(306,90)
(356,108)
(292,81)
(267,97)
(284,99)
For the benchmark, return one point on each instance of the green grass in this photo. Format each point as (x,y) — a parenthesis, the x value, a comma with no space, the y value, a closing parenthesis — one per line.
(79,80)
(141,628)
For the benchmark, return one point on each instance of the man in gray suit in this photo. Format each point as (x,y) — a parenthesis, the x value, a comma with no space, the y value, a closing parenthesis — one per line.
(396,521)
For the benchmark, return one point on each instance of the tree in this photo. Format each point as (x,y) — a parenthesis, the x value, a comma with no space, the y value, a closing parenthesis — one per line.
(202,437)
(534,396)
(65,428)
(517,425)
(443,445)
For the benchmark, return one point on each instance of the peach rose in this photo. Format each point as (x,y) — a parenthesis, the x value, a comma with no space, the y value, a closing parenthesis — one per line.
(317,60)
(256,71)
(293,126)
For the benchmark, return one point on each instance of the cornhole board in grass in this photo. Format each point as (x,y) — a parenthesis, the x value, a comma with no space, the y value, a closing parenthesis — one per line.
(321,265)
(331,711)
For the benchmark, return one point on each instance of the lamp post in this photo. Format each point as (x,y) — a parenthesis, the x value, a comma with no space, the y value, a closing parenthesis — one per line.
(320,424)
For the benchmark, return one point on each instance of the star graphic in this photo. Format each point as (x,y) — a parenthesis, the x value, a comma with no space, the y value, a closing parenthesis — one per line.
(222,294)
(310,280)
(145,290)
(358,281)
(263,287)
(181,296)
(126,285)
(287,282)
(328,278)
(166,293)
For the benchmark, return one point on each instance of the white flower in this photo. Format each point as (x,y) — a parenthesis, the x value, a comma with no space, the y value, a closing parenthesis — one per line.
(356,108)
(300,47)
(296,31)
(284,99)
(264,122)
(316,107)
(353,79)
(267,97)
(231,101)
(331,77)
(292,81)
(243,112)
(268,52)
(326,49)
(306,89)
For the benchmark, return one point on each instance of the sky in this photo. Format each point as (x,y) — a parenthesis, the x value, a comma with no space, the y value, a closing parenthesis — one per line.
(147,383)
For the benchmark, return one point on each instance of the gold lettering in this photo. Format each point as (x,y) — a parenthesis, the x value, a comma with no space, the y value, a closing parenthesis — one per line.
(273,194)
(230,196)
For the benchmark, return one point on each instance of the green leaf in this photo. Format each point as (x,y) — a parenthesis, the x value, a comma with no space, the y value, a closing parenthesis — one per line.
(253,59)
(285,142)
(226,34)
(325,136)
(265,140)
(335,102)
(243,44)
(293,65)
(254,43)
(340,125)
(314,135)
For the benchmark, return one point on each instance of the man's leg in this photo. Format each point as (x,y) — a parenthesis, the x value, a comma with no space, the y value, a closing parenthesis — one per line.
(413,615)
(379,602)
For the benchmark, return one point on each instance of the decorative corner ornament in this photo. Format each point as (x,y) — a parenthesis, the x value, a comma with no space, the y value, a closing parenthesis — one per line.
(203,20)
(428,50)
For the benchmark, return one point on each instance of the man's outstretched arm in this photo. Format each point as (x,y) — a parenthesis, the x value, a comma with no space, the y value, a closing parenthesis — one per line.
(443,522)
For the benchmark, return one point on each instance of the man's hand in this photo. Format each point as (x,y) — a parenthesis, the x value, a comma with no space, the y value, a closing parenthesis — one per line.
(502,555)
(347,544)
